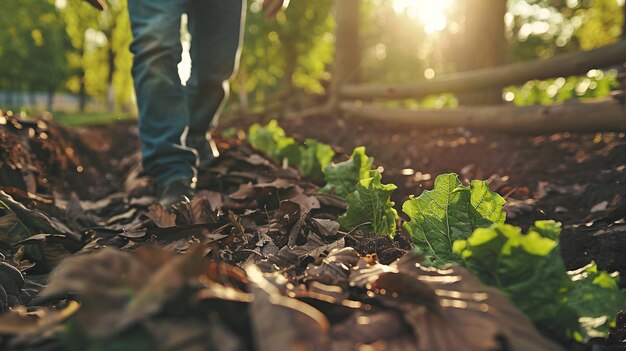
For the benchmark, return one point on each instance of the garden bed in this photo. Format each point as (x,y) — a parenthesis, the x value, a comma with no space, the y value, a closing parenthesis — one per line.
(260,258)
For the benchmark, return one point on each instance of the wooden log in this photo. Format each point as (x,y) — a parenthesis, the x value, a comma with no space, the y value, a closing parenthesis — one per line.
(601,115)
(495,77)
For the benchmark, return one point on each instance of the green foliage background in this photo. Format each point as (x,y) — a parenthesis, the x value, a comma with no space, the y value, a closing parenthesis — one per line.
(65,45)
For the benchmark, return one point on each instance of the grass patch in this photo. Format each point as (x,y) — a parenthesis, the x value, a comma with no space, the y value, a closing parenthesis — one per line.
(82,119)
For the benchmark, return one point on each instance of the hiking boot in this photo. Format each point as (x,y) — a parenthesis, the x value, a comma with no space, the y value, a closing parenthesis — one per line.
(175,190)
(206,148)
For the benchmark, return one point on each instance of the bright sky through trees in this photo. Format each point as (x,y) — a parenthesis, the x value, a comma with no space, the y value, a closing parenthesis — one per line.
(433,14)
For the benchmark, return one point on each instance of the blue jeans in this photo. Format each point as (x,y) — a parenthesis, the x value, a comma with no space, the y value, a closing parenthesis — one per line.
(169,112)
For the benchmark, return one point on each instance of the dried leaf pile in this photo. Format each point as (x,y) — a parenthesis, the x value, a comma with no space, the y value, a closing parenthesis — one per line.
(255,261)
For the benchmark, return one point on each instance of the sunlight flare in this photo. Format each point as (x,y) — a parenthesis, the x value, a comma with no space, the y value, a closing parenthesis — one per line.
(432,14)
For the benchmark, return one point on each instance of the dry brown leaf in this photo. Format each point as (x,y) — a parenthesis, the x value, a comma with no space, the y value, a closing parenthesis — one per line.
(105,279)
(161,216)
(19,321)
(315,247)
(335,269)
(282,323)
(368,327)
(326,227)
(214,198)
(192,334)
(452,310)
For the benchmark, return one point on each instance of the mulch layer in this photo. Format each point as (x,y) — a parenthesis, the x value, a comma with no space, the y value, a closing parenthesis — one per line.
(257,261)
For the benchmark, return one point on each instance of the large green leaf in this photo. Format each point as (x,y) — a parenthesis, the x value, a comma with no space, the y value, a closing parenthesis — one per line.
(529,268)
(487,203)
(342,178)
(448,213)
(370,202)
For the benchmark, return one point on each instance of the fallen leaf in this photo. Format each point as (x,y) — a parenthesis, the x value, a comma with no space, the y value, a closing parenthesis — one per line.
(161,216)
(281,323)
(599,207)
(105,278)
(451,310)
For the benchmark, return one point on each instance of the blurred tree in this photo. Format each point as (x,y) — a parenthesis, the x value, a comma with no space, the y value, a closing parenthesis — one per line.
(542,28)
(483,45)
(289,53)
(114,24)
(122,79)
(82,21)
(347,59)
(101,59)
(394,45)
(33,46)
(601,24)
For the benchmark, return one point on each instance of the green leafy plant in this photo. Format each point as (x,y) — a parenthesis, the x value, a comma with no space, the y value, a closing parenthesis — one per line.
(529,268)
(272,140)
(310,158)
(314,158)
(342,178)
(450,212)
(370,202)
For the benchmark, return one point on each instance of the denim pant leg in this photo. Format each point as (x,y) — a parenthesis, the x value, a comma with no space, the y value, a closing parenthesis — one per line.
(216,35)
(162,102)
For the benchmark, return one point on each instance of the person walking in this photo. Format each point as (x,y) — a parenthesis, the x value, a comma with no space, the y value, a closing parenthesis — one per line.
(175,119)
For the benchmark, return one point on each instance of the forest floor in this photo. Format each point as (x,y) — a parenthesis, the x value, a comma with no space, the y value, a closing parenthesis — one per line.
(254,214)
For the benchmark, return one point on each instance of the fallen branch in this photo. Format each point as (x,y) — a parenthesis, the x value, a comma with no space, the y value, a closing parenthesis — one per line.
(595,116)
(495,77)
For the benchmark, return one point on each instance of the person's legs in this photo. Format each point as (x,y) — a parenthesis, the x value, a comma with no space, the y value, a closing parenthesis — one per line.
(163,109)
(216,32)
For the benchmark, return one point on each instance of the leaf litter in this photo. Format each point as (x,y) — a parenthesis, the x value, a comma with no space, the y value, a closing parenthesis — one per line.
(256,261)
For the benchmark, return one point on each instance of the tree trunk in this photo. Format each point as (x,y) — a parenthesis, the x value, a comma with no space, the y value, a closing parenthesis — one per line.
(483,46)
(244,102)
(347,64)
(624,21)
(604,115)
(110,98)
(18,96)
(622,69)
(291,60)
(50,99)
(82,88)
(82,92)
(32,95)
(9,97)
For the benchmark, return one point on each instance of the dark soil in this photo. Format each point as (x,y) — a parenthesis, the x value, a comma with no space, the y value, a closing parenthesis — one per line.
(576,179)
